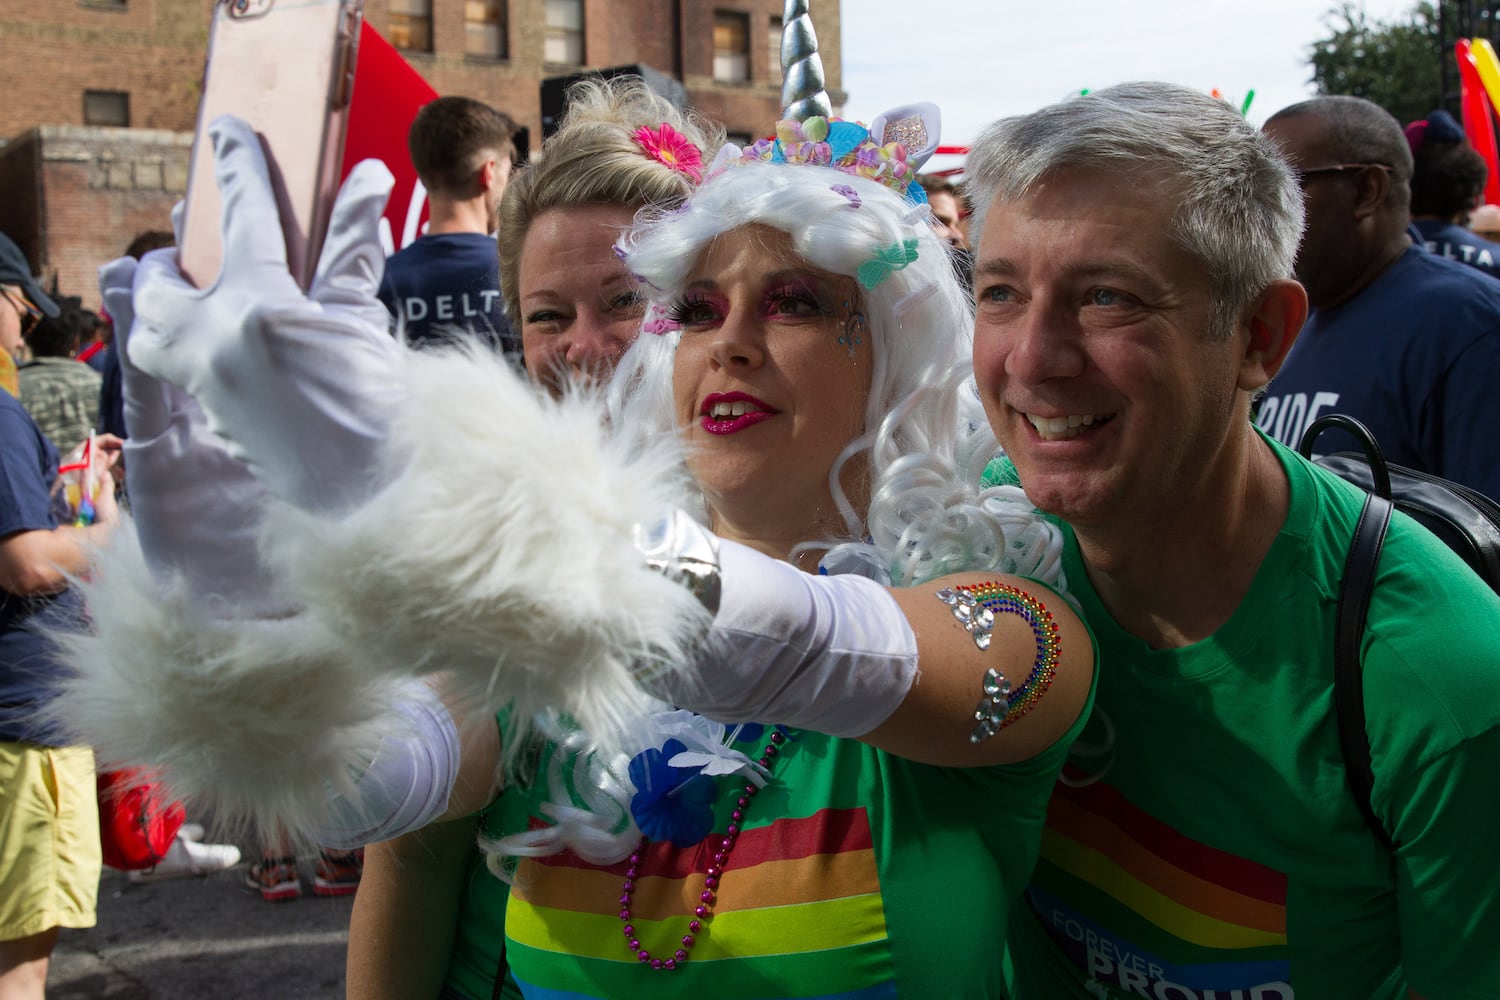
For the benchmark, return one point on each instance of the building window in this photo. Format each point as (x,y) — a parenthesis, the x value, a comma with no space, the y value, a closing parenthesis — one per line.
(411,25)
(484,28)
(773,49)
(106,107)
(564,32)
(731,46)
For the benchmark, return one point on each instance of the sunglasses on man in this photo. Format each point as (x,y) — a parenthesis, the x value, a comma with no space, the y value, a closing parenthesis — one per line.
(1337,168)
(29,312)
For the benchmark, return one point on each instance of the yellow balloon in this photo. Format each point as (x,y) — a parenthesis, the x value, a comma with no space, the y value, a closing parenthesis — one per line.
(1489,68)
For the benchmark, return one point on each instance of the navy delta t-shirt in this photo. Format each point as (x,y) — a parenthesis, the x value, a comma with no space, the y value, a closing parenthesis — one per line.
(447,286)
(1447,239)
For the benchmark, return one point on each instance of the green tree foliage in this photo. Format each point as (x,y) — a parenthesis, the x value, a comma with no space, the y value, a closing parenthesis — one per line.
(1397,64)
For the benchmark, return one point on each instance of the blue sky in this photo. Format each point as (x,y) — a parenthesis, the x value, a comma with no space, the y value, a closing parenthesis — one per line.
(983,59)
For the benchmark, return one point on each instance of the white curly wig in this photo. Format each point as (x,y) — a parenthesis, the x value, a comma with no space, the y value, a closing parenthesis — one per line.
(926,434)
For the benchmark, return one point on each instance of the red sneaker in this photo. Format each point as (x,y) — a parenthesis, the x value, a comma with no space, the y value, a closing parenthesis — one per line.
(338,872)
(275,879)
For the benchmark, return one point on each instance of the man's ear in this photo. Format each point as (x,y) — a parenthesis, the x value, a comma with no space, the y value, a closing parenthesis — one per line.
(485,179)
(1273,321)
(1370,191)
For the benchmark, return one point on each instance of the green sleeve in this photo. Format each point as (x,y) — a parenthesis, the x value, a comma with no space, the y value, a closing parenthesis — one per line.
(1434,722)
(1000,472)
(1447,881)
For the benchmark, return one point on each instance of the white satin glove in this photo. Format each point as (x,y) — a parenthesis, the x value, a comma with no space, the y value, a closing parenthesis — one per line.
(408,783)
(301,385)
(829,653)
(196,508)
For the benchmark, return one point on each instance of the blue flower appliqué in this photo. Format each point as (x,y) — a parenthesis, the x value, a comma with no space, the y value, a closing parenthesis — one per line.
(671,803)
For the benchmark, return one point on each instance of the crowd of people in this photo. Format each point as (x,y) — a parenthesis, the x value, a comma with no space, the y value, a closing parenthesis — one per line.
(821,579)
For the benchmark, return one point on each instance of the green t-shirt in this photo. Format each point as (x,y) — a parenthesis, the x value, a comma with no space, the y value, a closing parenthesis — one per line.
(478,936)
(1210,848)
(857,874)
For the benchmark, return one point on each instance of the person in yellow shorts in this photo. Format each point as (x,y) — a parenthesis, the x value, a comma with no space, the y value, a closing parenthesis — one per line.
(49,855)
(49,820)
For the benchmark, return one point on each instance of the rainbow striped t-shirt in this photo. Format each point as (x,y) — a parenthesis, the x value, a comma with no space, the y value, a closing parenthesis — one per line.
(857,875)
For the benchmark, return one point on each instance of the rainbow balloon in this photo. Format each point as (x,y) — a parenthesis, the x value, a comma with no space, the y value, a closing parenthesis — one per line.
(1478,109)
(1483,54)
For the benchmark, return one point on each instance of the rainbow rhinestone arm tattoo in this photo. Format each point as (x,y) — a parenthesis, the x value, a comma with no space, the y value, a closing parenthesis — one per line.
(975,606)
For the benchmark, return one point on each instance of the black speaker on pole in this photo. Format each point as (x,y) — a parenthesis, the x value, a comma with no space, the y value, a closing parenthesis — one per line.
(522,141)
(554,89)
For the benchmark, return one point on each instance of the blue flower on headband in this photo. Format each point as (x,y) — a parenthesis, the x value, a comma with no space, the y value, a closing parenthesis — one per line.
(671,803)
(845,137)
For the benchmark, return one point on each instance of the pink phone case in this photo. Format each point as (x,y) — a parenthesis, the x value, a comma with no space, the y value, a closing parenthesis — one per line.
(286,67)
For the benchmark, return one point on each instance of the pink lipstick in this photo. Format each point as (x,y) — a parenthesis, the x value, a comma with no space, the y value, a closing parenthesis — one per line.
(731,412)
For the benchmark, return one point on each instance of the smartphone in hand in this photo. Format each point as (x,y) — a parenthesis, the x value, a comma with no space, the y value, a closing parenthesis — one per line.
(286,67)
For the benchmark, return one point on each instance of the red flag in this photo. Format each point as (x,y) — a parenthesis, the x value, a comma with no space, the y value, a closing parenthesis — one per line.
(387,95)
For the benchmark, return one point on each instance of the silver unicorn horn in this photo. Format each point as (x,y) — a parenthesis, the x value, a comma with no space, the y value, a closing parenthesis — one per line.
(802,93)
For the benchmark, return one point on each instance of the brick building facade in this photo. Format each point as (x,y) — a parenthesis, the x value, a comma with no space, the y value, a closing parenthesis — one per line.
(100,95)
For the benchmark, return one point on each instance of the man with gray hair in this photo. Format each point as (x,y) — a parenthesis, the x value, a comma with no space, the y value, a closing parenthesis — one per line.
(1401,339)
(1134,292)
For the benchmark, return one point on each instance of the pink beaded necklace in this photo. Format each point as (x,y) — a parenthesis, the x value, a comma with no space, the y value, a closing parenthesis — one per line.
(704,910)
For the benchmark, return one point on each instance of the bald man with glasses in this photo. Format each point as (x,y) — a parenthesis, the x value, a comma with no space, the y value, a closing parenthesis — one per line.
(1399,338)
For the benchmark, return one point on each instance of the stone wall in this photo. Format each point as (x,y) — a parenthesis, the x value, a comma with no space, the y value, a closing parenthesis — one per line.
(92,191)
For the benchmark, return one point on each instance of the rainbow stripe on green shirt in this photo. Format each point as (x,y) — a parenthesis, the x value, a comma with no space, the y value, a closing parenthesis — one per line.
(797,887)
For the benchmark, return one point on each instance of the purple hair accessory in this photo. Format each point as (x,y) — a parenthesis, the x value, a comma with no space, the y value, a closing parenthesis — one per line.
(640,279)
(848,192)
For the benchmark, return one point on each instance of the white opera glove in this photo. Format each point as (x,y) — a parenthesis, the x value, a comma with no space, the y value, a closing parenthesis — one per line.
(301,385)
(196,508)
(408,783)
(833,654)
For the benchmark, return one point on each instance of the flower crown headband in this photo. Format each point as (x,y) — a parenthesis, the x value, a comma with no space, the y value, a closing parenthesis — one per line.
(889,152)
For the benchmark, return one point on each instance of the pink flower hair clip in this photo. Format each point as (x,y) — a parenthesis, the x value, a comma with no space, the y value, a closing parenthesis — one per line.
(667,145)
(659,321)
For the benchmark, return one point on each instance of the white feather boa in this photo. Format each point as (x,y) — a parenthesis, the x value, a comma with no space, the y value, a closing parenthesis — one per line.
(501,552)
(256,721)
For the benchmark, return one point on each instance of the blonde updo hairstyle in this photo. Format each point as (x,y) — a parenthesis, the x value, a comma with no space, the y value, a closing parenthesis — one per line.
(593,159)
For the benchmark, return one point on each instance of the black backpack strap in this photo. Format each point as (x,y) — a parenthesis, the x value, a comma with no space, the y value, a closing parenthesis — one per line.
(503,968)
(1348,670)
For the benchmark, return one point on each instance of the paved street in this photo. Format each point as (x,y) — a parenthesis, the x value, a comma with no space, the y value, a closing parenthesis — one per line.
(204,939)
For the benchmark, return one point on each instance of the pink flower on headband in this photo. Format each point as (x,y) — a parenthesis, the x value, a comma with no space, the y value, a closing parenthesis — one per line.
(667,145)
(659,321)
